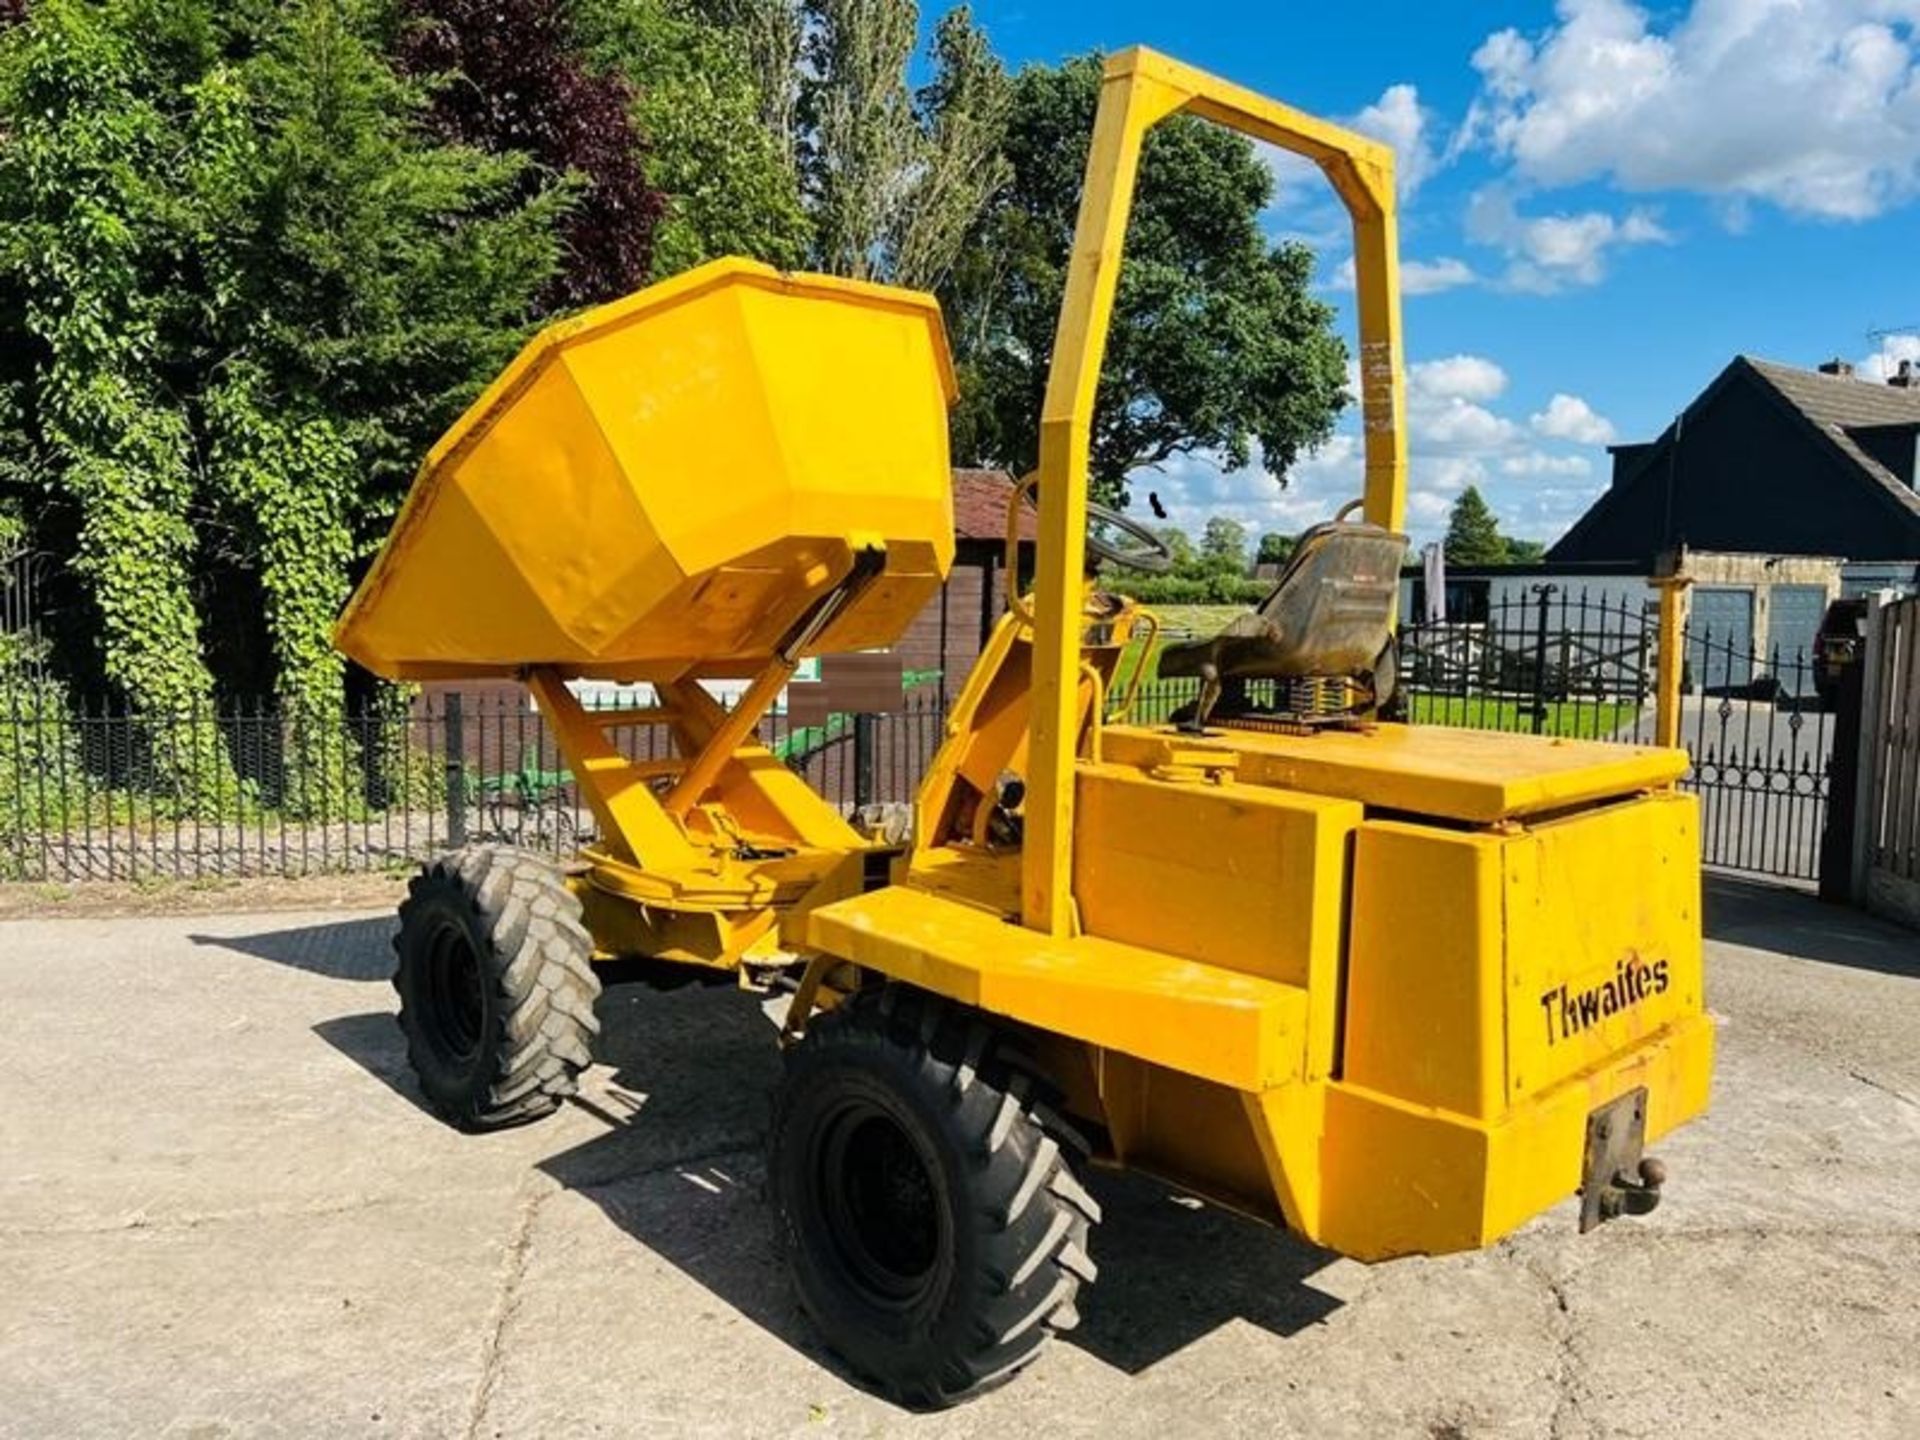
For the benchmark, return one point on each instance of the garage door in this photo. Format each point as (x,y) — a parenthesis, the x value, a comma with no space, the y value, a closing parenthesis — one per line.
(1720,639)
(1794,613)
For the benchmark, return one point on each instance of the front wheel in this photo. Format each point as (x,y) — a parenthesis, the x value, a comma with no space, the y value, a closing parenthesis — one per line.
(936,1230)
(496,986)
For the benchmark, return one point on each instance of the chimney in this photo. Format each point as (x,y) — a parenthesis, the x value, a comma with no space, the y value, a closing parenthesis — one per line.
(1836,366)
(1904,378)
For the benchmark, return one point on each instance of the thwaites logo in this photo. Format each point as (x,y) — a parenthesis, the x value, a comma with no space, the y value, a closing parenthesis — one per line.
(1568,1011)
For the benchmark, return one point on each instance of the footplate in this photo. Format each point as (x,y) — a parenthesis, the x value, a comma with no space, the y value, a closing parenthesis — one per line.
(1616,1178)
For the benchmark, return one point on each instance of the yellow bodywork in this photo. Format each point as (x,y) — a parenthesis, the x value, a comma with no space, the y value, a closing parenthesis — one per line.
(655,488)
(1368,985)
(1353,983)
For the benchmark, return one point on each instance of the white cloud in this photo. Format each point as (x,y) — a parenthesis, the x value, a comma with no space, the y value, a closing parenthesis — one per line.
(1445,413)
(1541,462)
(1531,471)
(1811,105)
(1291,173)
(1886,360)
(1464,377)
(1547,252)
(1399,119)
(1430,277)
(1569,418)
(1417,277)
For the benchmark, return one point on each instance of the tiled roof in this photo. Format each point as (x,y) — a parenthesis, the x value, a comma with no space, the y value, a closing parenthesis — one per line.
(1835,404)
(980,507)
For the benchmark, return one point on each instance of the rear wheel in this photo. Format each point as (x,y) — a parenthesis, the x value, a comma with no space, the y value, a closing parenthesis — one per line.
(496,986)
(935,1225)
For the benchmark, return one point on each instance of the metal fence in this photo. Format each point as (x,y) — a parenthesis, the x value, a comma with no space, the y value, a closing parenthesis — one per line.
(103,792)
(1761,738)
(1550,662)
(1583,664)
(106,793)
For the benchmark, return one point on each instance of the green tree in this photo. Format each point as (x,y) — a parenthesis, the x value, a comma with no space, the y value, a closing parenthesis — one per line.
(770,34)
(98,120)
(1525,552)
(893,177)
(1223,545)
(1216,342)
(1473,535)
(1180,551)
(240,292)
(727,178)
(1275,548)
(362,284)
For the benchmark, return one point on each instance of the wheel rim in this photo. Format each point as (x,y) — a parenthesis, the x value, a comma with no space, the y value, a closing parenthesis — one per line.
(881,1205)
(456,1000)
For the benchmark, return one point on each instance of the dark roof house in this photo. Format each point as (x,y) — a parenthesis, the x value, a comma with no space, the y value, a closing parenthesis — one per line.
(1769,459)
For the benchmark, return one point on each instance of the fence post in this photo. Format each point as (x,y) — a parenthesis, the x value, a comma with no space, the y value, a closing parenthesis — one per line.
(1835,862)
(1871,738)
(863,736)
(1546,593)
(1670,660)
(456,757)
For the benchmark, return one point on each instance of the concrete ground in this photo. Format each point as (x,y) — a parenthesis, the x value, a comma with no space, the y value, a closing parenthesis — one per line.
(225,1214)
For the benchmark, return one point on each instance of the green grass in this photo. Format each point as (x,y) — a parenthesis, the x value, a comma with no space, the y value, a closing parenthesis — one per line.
(1176,622)
(1580,720)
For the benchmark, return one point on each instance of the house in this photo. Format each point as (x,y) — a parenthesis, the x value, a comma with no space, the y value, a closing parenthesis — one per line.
(1787,487)
(1770,460)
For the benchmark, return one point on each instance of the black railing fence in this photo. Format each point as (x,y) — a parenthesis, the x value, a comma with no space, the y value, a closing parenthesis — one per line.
(102,792)
(1547,660)
(1762,739)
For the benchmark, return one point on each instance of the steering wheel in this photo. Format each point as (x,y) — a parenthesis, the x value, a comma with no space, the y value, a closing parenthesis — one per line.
(1121,540)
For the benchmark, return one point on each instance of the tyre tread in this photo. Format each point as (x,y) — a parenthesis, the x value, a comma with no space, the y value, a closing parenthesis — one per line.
(539,963)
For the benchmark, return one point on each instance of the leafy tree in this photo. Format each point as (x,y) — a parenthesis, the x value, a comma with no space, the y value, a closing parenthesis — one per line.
(512,80)
(240,291)
(770,36)
(1216,343)
(1473,535)
(1525,552)
(91,103)
(893,177)
(1224,545)
(1275,549)
(362,285)
(1180,551)
(727,180)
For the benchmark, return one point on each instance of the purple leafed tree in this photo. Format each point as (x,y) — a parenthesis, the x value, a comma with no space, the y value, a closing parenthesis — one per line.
(513,80)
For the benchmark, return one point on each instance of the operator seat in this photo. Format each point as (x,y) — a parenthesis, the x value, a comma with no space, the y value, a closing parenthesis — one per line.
(1330,616)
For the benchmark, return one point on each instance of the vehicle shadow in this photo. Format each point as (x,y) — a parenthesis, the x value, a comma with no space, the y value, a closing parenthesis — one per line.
(679,1168)
(340,950)
(681,1088)
(374,1043)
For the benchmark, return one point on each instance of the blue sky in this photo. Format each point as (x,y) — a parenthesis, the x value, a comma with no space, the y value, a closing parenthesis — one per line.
(1602,202)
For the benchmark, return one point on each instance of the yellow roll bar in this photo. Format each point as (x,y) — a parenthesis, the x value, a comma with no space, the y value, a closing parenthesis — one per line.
(1138,90)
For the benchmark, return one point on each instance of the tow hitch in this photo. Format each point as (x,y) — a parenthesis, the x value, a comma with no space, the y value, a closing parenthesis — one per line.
(1616,1178)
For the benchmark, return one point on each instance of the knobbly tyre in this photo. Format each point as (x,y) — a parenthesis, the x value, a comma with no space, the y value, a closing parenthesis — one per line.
(1397,989)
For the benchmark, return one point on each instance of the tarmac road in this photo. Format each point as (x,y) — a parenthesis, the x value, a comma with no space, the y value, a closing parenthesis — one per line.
(225,1214)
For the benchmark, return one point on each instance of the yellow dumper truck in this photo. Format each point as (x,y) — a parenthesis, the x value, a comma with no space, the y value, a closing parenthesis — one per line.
(1396,988)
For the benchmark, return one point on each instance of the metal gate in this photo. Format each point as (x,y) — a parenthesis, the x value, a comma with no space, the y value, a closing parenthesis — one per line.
(1568,662)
